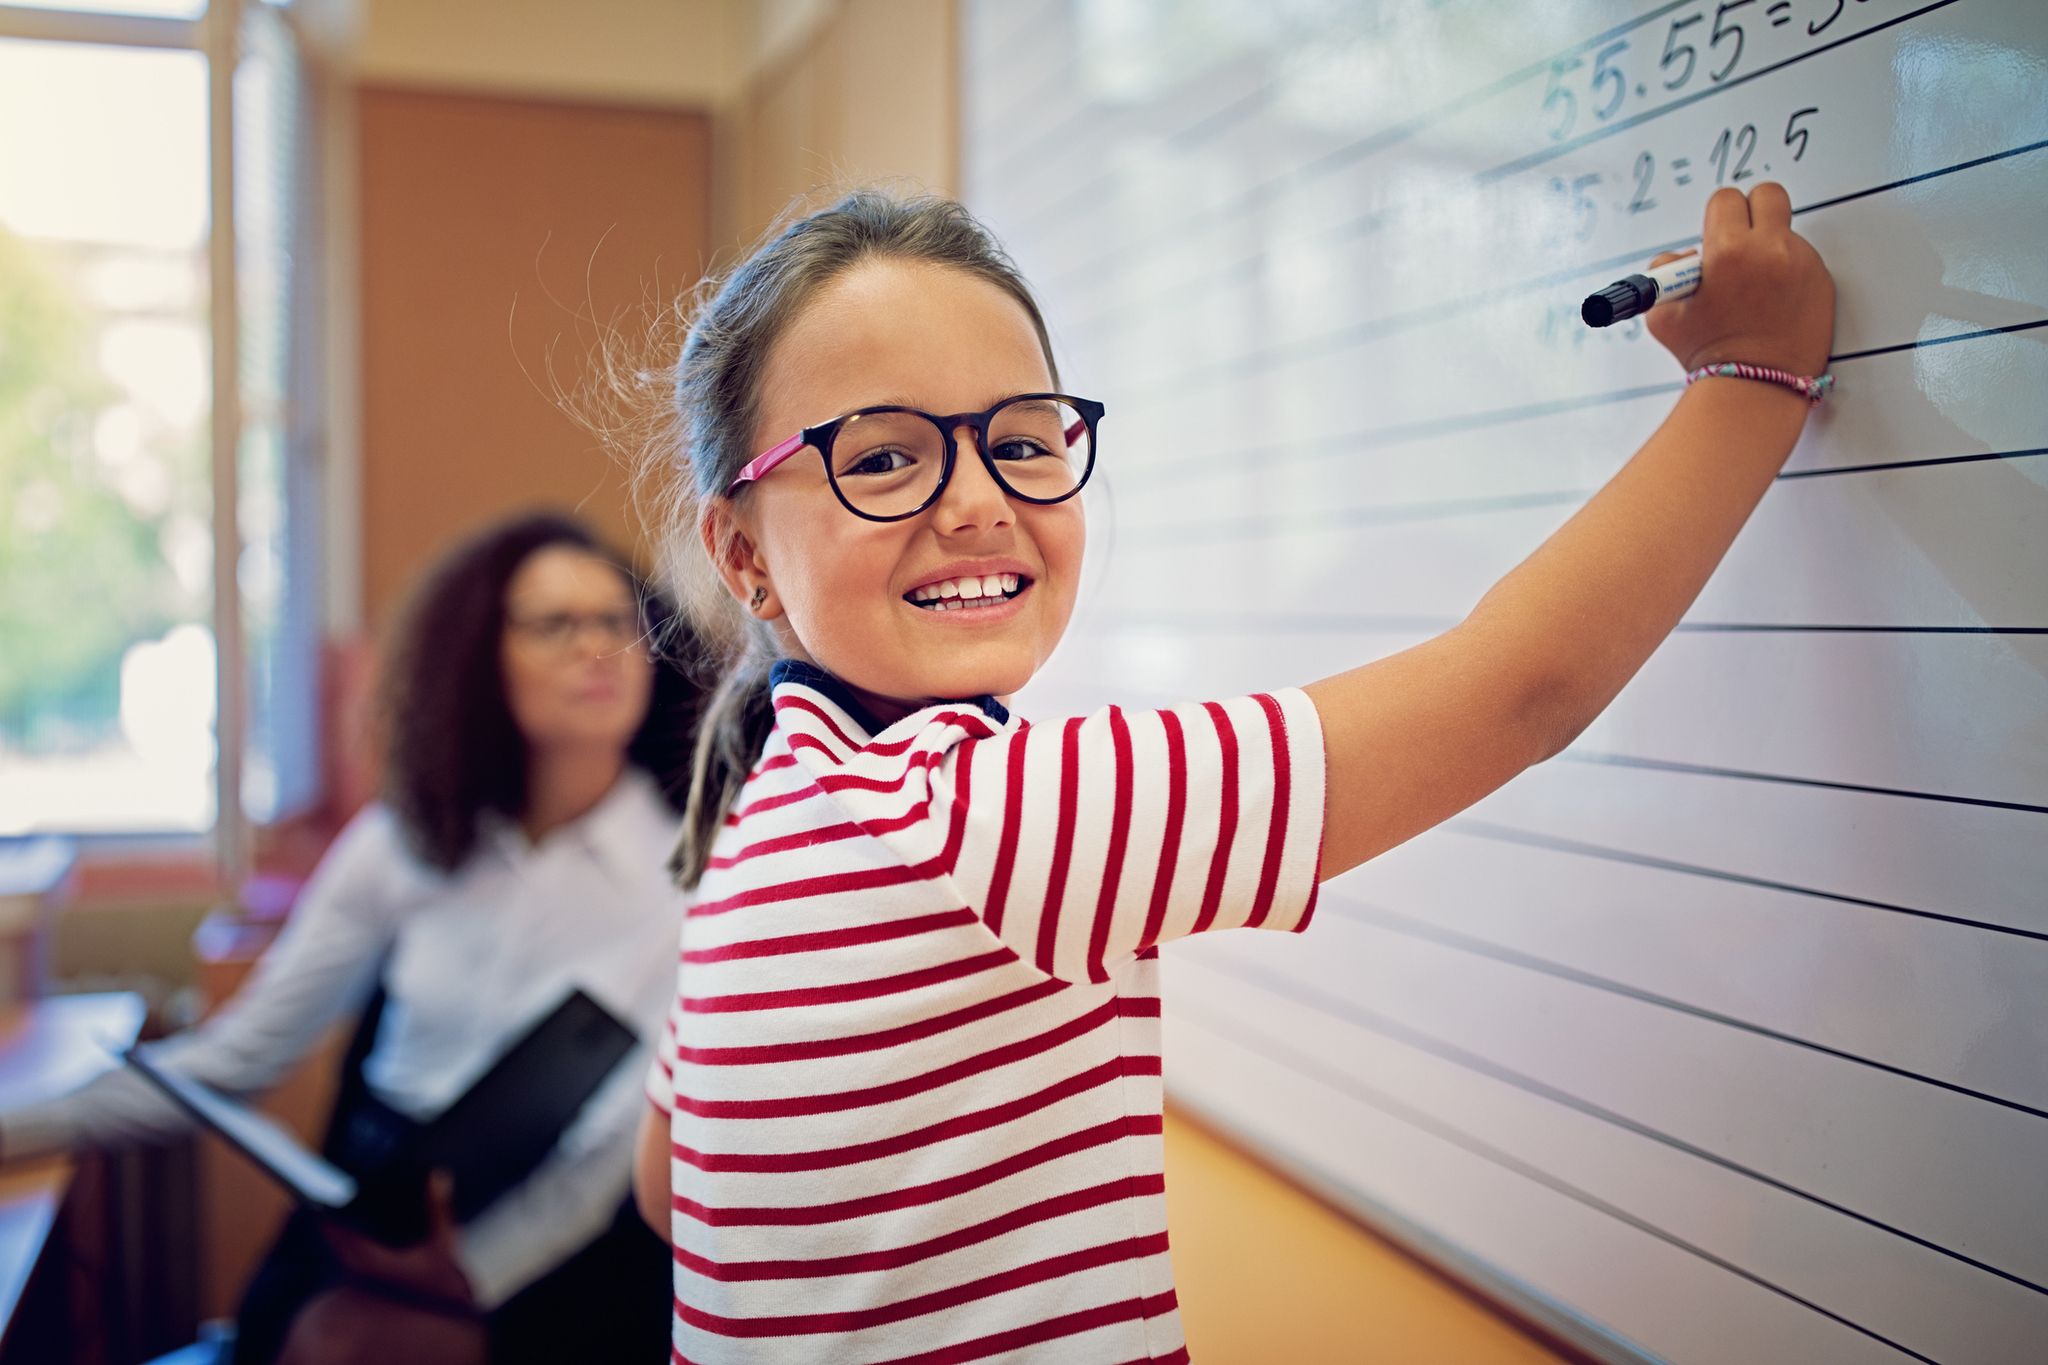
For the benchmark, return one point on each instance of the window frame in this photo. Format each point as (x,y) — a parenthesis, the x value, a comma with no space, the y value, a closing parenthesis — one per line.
(217,35)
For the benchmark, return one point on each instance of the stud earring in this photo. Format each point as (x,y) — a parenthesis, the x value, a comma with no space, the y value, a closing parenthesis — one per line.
(760,596)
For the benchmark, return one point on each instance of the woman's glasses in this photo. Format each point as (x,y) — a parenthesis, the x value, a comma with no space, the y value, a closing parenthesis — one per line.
(559,631)
(888,463)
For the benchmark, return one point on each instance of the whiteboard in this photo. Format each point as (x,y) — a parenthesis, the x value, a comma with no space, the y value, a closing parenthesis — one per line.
(1724,1036)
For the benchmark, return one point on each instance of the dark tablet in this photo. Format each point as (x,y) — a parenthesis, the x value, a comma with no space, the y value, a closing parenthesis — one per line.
(511,1117)
(307,1176)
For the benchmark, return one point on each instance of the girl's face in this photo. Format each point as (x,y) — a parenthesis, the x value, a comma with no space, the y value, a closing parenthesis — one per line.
(840,587)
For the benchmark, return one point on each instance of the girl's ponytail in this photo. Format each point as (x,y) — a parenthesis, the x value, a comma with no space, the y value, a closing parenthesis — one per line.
(734,725)
(686,448)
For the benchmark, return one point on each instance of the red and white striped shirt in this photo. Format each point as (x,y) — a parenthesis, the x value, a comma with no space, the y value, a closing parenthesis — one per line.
(913,1071)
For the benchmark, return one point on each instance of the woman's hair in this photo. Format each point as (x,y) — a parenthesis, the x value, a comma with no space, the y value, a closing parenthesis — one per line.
(701,436)
(451,748)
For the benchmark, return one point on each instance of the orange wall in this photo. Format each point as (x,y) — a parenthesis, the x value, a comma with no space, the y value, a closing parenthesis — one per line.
(491,231)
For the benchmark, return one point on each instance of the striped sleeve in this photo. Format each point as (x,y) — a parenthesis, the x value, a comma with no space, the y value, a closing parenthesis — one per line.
(1087,841)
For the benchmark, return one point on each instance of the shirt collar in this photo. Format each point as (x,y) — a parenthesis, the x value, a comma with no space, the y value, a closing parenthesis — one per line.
(607,830)
(805,674)
(615,829)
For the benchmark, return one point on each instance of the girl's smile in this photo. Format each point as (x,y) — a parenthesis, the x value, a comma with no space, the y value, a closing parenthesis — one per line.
(970,592)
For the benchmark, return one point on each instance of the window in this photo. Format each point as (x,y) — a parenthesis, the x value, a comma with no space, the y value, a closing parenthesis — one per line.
(160,9)
(110,523)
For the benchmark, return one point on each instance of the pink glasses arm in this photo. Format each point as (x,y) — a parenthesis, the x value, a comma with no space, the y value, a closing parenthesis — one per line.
(766,461)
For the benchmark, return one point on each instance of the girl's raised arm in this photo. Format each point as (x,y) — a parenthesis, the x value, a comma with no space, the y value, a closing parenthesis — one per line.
(1417,737)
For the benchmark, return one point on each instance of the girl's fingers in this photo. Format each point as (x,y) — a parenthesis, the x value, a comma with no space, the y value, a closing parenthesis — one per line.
(1666,257)
(1727,215)
(1770,207)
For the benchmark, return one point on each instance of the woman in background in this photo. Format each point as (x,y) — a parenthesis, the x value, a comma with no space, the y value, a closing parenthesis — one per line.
(535,756)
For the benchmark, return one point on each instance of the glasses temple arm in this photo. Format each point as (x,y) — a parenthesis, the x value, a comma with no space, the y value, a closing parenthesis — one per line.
(765,461)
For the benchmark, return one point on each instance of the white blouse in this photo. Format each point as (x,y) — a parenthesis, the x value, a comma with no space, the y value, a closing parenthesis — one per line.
(471,961)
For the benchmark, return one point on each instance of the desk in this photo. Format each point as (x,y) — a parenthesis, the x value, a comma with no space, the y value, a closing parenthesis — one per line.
(48,1048)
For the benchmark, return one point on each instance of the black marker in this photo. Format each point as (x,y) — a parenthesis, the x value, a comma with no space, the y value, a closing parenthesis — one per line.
(1639,293)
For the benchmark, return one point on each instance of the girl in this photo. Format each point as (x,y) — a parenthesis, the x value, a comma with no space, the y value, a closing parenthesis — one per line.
(910,1091)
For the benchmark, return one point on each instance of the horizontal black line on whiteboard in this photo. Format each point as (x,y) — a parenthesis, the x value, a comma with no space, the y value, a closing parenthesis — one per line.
(1924,343)
(1271,623)
(1415,928)
(1283,1053)
(1421,626)
(1420,429)
(1486,829)
(1386,514)
(1323,1002)
(1508,168)
(1914,464)
(1776,628)
(1971,164)
(1353,334)
(1701,770)
(1337,157)
(1177,532)
(1379,623)
(1398,433)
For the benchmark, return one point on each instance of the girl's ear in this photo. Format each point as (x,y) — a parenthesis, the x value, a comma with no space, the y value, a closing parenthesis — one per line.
(738,563)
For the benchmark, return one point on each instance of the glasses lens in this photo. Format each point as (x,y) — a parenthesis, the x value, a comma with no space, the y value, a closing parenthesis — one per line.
(1041,447)
(887,463)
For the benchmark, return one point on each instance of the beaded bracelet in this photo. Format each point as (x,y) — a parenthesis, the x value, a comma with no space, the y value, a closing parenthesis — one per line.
(1813,390)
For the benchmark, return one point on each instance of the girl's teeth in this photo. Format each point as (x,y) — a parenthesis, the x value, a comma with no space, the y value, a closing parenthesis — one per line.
(955,593)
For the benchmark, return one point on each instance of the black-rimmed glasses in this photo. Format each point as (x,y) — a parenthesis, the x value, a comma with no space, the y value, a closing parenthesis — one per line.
(888,463)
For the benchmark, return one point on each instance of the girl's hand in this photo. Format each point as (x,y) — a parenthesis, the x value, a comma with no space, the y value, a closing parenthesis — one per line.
(1765,297)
